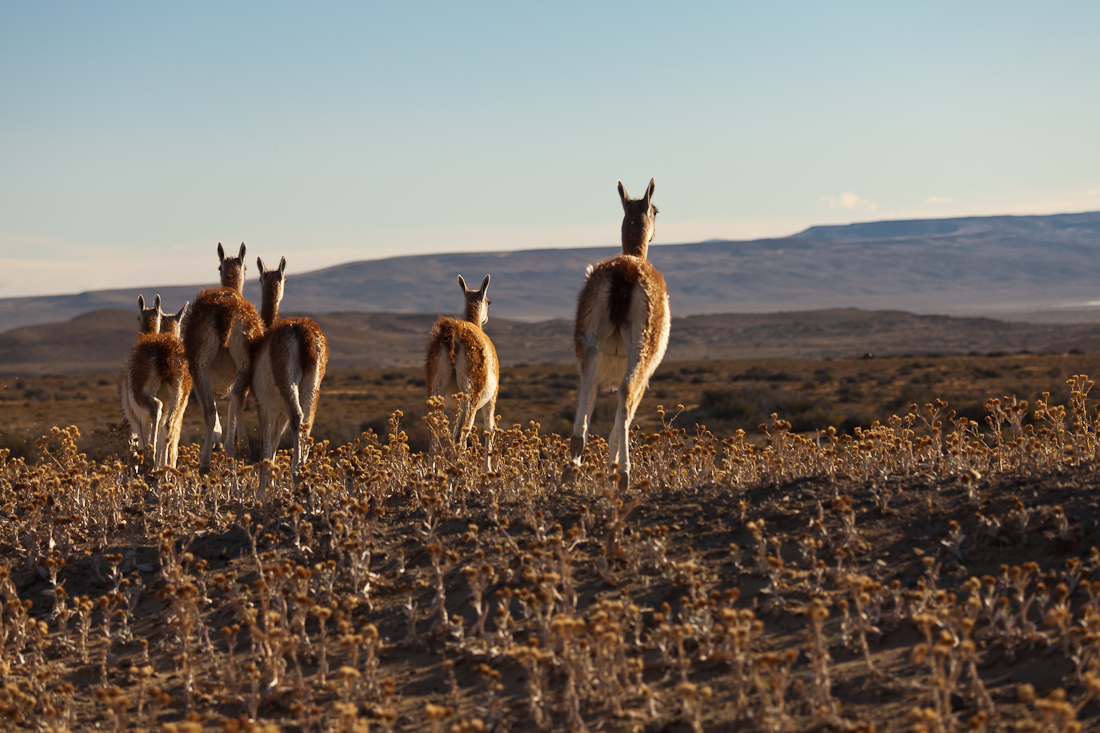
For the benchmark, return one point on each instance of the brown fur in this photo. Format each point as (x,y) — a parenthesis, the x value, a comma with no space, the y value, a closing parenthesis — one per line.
(156,368)
(625,277)
(149,318)
(161,352)
(306,329)
(472,312)
(217,339)
(623,274)
(443,336)
(220,308)
(461,358)
(447,335)
(173,323)
(272,283)
(288,364)
(268,314)
(312,344)
(231,270)
(639,217)
(621,330)
(309,334)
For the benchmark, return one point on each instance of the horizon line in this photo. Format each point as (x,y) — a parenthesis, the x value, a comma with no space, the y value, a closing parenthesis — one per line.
(584,247)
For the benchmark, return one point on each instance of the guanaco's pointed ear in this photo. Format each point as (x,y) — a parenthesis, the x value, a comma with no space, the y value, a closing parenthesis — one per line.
(622,194)
(260,264)
(221,253)
(156,302)
(282,265)
(649,191)
(484,284)
(183,310)
(462,284)
(241,255)
(141,302)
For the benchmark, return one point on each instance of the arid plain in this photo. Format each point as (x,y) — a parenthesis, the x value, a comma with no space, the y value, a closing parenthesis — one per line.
(844,368)
(878,578)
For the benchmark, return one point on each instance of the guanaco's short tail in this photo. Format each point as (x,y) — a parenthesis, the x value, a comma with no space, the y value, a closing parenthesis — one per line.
(309,338)
(446,335)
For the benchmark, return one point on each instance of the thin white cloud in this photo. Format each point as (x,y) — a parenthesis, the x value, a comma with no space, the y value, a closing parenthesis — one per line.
(938,200)
(850,201)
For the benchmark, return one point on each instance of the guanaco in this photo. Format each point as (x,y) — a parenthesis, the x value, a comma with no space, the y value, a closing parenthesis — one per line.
(621,331)
(217,341)
(149,318)
(460,358)
(154,384)
(288,364)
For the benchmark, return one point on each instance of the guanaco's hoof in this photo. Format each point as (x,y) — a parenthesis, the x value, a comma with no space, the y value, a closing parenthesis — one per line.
(624,480)
(569,473)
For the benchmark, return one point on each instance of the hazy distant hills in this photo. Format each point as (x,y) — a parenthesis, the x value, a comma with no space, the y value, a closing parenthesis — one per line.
(1009,266)
(1070,228)
(97,342)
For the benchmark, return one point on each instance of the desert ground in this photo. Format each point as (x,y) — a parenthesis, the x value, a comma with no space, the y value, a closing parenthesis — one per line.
(912,568)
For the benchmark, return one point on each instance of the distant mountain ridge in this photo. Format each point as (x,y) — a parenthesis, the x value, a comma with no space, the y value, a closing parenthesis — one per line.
(1058,227)
(998,265)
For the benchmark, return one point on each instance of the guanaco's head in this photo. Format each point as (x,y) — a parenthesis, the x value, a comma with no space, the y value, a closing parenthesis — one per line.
(639,221)
(171,322)
(149,318)
(271,290)
(477,302)
(231,269)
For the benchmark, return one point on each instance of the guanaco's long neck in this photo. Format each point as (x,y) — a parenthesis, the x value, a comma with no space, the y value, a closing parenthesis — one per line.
(636,236)
(233,278)
(269,313)
(150,321)
(269,307)
(473,313)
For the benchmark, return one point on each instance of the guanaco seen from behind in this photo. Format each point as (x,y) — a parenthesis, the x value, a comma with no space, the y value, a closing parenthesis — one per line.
(288,364)
(461,359)
(149,318)
(621,331)
(217,340)
(154,384)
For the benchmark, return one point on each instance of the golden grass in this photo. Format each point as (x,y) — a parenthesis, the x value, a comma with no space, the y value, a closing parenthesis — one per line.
(812,394)
(919,572)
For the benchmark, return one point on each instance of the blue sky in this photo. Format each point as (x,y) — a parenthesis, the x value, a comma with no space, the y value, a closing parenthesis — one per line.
(135,136)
